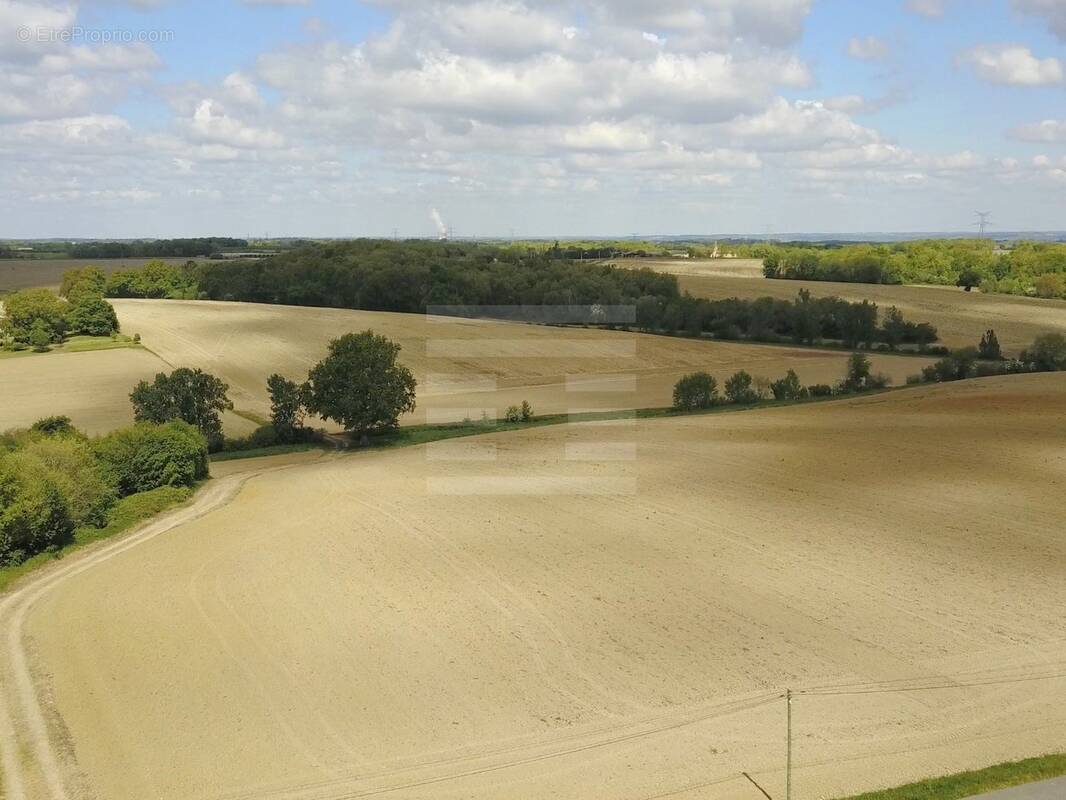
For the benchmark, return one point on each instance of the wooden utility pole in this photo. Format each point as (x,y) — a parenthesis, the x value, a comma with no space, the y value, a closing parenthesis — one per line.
(788,765)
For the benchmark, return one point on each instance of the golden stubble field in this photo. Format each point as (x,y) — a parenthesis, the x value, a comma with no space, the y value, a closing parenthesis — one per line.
(960,317)
(464,367)
(585,611)
(91,388)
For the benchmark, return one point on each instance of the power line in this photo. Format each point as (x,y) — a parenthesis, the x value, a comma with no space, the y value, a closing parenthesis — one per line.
(983,222)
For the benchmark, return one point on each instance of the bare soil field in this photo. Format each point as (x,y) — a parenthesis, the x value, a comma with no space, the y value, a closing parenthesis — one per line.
(542,621)
(464,367)
(91,388)
(960,317)
(24,273)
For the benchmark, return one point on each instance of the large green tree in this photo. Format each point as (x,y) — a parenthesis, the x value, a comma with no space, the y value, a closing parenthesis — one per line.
(90,315)
(87,281)
(360,385)
(190,395)
(286,407)
(33,309)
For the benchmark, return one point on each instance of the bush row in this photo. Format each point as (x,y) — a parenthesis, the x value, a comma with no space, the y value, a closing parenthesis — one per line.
(54,479)
(699,390)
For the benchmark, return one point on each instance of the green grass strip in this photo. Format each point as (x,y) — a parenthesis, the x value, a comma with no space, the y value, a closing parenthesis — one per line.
(263,452)
(968,784)
(78,344)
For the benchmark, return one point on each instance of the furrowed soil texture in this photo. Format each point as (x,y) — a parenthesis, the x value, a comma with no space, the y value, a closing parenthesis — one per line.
(91,388)
(587,611)
(465,368)
(960,317)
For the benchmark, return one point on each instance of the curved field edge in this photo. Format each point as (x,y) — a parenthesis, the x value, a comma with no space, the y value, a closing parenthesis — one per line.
(127,514)
(955,401)
(132,511)
(967,784)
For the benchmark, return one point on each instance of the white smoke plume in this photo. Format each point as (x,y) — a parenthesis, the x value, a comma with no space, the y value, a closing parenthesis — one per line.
(438,220)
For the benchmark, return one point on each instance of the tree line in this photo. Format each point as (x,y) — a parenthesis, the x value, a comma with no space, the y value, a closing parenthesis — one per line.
(1046,354)
(473,279)
(699,390)
(359,384)
(157,248)
(1028,268)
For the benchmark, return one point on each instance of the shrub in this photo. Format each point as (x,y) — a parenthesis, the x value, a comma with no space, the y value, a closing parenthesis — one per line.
(286,408)
(147,456)
(34,515)
(1050,284)
(788,387)
(54,426)
(91,316)
(40,339)
(696,391)
(513,414)
(526,411)
(85,282)
(738,389)
(70,465)
(960,365)
(820,390)
(360,385)
(1048,353)
(192,396)
(858,371)
(262,437)
(989,347)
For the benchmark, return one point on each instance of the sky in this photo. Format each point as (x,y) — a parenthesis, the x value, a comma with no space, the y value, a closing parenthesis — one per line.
(337,118)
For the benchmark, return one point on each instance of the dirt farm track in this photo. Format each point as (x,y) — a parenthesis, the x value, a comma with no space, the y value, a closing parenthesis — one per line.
(587,611)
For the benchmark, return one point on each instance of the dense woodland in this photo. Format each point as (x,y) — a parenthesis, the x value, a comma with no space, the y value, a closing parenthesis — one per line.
(1028,268)
(415,277)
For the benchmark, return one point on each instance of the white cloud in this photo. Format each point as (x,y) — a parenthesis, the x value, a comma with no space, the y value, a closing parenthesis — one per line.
(1053,11)
(1048,130)
(868,48)
(211,124)
(1013,65)
(240,89)
(928,8)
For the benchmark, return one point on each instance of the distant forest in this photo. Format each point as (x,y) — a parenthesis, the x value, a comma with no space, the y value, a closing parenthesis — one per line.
(416,276)
(161,248)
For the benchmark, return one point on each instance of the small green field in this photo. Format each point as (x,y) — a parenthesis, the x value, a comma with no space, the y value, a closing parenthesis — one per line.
(78,344)
(968,784)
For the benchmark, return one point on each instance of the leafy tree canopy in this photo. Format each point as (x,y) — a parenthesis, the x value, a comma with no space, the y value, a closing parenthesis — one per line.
(360,385)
